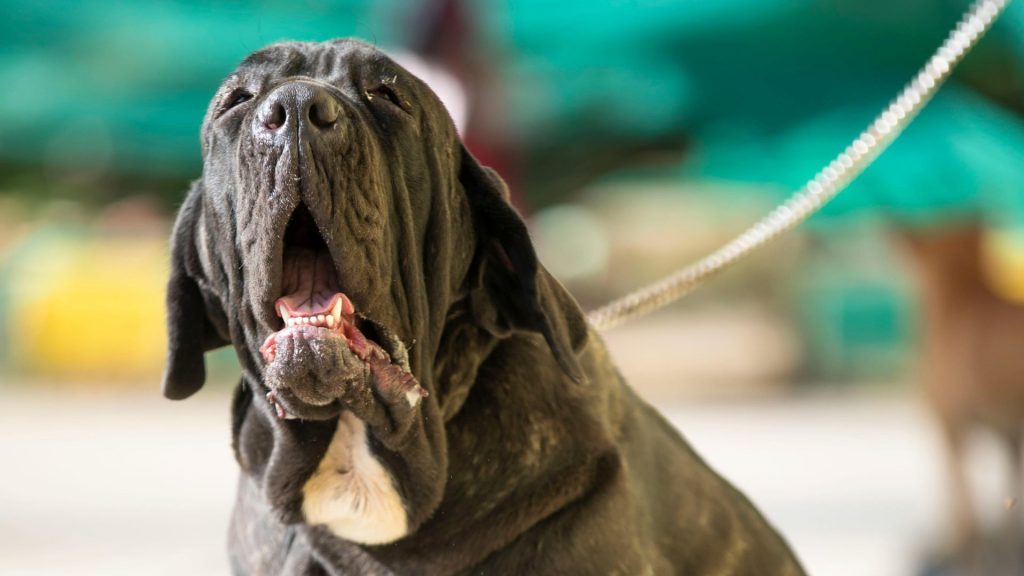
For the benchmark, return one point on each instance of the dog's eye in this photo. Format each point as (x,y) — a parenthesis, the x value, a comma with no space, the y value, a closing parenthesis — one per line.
(385,92)
(234,98)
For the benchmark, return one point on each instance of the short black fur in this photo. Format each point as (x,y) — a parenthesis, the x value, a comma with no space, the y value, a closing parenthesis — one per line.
(530,455)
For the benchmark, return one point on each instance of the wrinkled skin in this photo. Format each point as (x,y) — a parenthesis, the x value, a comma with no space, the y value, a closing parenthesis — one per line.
(511,439)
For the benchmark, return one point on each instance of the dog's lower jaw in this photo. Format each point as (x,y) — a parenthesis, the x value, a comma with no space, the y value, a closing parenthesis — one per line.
(351,494)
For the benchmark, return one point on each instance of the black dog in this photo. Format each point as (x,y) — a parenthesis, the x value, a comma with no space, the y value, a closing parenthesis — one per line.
(419,396)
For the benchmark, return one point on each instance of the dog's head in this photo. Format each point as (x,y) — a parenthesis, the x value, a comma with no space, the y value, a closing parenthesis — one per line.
(338,205)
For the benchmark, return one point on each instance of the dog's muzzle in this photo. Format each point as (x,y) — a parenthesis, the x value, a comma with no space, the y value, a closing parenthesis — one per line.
(322,345)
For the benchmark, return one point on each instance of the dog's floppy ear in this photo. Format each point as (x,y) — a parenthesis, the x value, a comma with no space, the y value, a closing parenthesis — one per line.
(189,331)
(524,294)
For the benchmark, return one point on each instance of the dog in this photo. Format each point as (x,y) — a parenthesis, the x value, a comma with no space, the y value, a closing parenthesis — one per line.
(971,375)
(418,394)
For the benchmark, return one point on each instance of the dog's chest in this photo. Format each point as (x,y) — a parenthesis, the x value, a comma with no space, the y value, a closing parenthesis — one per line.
(351,493)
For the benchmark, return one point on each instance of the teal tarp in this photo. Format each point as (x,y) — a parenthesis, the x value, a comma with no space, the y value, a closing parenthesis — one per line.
(128,82)
(763,91)
(769,92)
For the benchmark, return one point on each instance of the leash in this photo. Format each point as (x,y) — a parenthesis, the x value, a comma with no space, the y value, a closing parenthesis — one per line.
(824,186)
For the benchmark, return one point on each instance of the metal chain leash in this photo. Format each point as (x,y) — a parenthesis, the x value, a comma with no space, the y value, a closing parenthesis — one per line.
(825,184)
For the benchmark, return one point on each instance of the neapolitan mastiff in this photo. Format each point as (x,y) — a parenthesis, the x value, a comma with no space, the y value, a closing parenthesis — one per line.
(419,395)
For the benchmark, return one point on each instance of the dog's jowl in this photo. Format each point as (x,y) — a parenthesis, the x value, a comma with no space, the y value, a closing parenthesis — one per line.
(419,395)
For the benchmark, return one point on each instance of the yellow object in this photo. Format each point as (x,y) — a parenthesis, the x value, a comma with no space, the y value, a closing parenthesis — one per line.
(1003,263)
(90,308)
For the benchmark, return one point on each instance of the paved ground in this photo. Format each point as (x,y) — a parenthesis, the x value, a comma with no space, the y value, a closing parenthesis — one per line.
(115,485)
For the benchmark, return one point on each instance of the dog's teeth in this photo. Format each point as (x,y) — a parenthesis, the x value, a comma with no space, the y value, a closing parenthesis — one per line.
(282,311)
(336,310)
(320,320)
(330,320)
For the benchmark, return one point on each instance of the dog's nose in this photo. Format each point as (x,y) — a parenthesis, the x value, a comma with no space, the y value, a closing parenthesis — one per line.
(301,105)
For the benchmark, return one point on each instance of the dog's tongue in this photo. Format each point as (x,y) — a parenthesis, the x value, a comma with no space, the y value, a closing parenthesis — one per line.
(310,281)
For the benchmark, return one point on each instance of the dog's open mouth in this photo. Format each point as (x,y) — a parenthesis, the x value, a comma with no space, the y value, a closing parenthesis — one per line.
(311,300)
(323,344)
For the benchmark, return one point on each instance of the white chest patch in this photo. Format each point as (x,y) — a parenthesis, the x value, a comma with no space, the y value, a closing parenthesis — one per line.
(351,493)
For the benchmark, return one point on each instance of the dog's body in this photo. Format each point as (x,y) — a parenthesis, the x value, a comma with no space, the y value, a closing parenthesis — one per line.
(972,369)
(428,399)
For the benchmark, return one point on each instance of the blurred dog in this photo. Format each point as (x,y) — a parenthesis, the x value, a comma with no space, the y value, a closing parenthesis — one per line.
(419,396)
(973,365)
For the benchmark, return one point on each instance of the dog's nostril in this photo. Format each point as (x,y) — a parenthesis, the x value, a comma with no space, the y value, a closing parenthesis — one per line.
(322,115)
(294,108)
(276,118)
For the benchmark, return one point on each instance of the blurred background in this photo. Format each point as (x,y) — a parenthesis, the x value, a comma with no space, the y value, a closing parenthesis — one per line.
(861,379)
